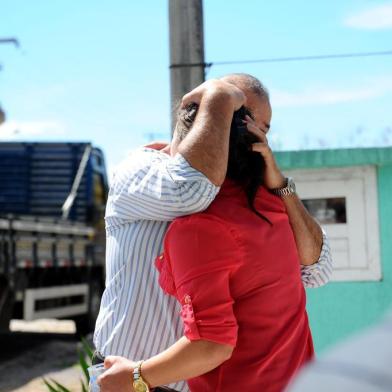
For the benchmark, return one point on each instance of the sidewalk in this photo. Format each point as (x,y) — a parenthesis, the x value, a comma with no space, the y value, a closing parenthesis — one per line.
(70,378)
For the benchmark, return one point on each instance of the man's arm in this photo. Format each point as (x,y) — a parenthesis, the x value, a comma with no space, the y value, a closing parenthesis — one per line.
(312,243)
(320,273)
(307,232)
(152,188)
(206,147)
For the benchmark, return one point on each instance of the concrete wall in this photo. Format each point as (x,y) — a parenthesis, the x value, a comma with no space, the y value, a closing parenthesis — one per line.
(341,308)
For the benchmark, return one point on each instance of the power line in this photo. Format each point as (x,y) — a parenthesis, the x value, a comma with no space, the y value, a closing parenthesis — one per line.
(287,59)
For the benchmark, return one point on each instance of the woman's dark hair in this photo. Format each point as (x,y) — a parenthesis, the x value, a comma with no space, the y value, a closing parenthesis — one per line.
(245,167)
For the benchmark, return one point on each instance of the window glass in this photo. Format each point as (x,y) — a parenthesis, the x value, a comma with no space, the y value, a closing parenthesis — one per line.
(327,211)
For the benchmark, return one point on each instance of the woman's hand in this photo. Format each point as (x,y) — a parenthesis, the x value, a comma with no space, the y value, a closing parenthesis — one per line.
(117,376)
(273,177)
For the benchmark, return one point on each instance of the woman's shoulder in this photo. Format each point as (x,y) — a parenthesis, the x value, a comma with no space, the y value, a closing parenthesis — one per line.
(206,232)
(206,220)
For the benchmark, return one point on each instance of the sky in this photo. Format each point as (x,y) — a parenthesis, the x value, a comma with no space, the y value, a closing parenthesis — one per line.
(98,70)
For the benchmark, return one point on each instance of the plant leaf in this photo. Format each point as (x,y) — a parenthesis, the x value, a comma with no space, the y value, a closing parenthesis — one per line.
(87,349)
(60,387)
(83,364)
(84,387)
(49,386)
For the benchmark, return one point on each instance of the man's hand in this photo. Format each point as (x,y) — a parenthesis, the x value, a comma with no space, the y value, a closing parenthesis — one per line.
(195,96)
(273,177)
(118,375)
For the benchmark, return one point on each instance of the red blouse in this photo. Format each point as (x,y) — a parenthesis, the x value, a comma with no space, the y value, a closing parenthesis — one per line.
(238,279)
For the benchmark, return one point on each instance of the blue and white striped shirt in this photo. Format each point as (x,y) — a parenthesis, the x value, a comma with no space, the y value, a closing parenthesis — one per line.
(136,319)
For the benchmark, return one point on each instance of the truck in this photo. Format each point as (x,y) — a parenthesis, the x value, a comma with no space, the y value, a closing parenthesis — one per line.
(52,237)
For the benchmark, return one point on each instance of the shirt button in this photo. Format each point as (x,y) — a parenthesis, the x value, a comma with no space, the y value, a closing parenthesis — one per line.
(187,299)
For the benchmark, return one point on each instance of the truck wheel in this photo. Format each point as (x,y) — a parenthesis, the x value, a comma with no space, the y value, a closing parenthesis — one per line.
(6,307)
(86,323)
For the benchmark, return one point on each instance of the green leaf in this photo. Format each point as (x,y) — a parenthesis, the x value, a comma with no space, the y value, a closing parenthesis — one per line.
(60,387)
(84,387)
(87,349)
(49,386)
(84,365)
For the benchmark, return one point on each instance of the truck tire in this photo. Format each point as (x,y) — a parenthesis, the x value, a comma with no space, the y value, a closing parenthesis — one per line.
(6,307)
(86,323)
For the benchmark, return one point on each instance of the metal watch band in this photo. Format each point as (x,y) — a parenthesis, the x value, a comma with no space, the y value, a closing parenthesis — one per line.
(136,371)
(139,383)
(287,190)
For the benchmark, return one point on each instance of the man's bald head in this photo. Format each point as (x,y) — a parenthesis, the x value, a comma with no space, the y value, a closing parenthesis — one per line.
(247,82)
(257,103)
(257,97)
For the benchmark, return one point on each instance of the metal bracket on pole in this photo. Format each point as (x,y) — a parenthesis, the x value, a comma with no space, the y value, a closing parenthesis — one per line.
(13,41)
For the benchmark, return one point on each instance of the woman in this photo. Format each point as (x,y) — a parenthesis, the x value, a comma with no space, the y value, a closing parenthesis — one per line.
(235,270)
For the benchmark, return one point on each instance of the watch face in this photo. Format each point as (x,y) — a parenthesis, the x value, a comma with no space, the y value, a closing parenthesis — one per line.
(140,386)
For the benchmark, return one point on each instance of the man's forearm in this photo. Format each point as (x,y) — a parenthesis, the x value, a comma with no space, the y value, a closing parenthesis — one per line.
(206,147)
(307,232)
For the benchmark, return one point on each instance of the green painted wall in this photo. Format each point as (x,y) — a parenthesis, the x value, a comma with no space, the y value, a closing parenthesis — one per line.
(341,308)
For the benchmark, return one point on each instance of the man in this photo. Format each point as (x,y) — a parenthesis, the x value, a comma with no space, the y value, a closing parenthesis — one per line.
(150,189)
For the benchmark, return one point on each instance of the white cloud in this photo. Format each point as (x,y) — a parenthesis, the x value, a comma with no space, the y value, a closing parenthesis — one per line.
(329,96)
(15,130)
(379,17)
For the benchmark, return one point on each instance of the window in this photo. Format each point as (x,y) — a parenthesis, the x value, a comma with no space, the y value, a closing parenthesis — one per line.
(344,201)
(328,210)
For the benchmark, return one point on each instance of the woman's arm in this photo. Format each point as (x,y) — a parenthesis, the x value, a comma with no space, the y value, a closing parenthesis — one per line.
(199,257)
(183,360)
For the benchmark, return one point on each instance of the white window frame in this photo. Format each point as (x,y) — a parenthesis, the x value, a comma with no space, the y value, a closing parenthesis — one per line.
(355,245)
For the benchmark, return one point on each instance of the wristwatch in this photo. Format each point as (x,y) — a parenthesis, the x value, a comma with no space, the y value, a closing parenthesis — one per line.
(287,190)
(139,384)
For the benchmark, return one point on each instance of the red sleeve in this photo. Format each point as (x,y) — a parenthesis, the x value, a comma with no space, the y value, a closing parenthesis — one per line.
(202,254)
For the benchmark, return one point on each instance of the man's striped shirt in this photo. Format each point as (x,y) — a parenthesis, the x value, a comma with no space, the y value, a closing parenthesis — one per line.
(136,319)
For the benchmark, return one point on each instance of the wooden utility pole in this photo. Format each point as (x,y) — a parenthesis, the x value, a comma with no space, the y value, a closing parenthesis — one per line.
(2,116)
(186,48)
(15,42)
